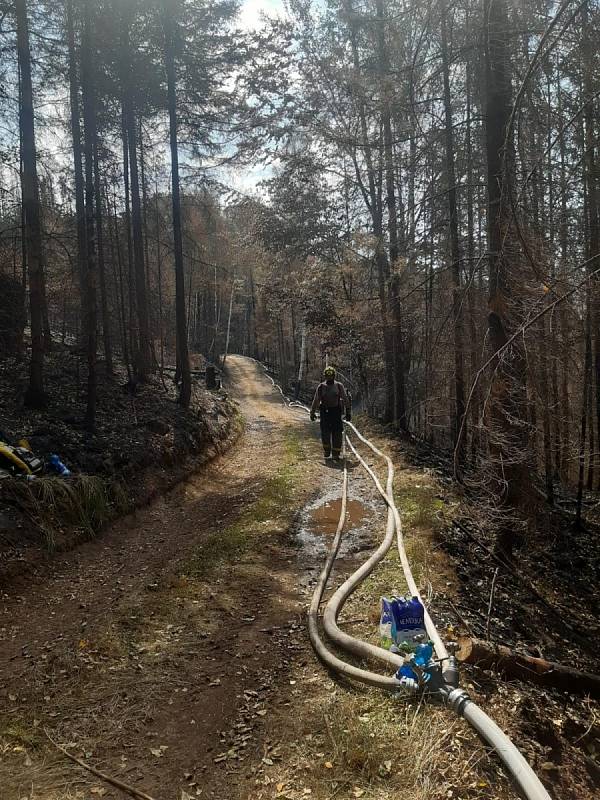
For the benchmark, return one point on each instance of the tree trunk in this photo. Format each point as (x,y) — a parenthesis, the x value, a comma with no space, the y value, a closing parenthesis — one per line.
(458,420)
(131,304)
(160,281)
(116,250)
(563,321)
(372,199)
(301,360)
(473,328)
(252,331)
(229,321)
(106,330)
(32,229)
(283,365)
(546,410)
(182,348)
(488,655)
(593,203)
(508,431)
(88,88)
(151,326)
(396,336)
(144,359)
(77,158)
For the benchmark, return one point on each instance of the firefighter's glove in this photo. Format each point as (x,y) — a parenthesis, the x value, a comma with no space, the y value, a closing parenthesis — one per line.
(313,416)
(348,416)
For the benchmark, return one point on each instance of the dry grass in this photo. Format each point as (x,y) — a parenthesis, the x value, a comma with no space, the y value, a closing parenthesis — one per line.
(226,544)
(83,503)
(364,744)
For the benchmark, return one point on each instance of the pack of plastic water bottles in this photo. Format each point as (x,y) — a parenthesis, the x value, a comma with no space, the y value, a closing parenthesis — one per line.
(402,623)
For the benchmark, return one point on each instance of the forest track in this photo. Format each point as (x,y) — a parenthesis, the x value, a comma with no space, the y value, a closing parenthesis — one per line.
(136,647)
(172,653)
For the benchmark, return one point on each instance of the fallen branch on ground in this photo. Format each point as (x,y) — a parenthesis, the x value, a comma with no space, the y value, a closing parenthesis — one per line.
(488,655)
(124,787)
(491,603)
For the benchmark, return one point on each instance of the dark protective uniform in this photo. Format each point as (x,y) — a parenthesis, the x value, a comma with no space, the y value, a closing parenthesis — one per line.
(331,400)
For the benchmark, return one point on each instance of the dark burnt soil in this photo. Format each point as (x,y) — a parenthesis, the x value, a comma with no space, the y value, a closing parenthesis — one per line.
(546,600)
(545,604)
(144,442)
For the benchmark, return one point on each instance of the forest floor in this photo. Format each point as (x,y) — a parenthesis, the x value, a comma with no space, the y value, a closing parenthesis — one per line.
(144,443)
(171,652)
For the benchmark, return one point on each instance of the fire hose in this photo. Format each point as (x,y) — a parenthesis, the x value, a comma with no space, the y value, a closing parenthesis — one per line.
(445,686)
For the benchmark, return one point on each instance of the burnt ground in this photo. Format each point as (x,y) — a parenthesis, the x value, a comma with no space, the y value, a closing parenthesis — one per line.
(144,442)
(545,604)
(171,651)
(546,601)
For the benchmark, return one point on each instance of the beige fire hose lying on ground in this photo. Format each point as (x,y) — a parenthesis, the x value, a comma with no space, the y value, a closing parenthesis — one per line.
(446,689)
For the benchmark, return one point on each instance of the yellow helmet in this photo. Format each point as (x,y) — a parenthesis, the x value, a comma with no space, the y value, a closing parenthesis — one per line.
(329,372)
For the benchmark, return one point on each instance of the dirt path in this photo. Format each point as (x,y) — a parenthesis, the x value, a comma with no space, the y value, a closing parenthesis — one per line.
(171,652)
(140,647)
(77,589)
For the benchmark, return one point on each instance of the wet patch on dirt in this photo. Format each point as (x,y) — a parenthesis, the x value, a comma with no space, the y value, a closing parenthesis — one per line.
(317,525)
(260,425)
(325,518)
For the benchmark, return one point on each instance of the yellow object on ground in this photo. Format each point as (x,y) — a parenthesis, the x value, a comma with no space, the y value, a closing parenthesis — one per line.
(8,453)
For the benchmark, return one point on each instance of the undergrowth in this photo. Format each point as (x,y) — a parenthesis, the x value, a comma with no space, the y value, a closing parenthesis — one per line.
(83,502)
(419,506)
(370,746)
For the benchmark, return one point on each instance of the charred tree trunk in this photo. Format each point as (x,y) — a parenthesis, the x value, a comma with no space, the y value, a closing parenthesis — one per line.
(77,156)
(397,338)
(119,283)
(131,304)
(372,199)
(89,126)
(473,328)
(458,421)
(593,204)
(106,329)
(144,358)
(160,283)
(32,216)
(488,655)
(508,429)
(182,348)
(565,402)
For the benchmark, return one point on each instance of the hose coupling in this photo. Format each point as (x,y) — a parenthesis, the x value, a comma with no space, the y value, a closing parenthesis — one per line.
(450,672)
(457,699)
(408,685)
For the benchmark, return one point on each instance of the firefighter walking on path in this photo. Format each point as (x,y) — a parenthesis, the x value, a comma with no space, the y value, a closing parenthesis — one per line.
(331,401)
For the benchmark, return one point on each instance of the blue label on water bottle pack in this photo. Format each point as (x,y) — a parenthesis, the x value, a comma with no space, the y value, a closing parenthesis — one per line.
(409,619)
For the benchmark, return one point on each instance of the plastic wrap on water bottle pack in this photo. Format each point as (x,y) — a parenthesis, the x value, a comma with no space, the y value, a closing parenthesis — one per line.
(402,622)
